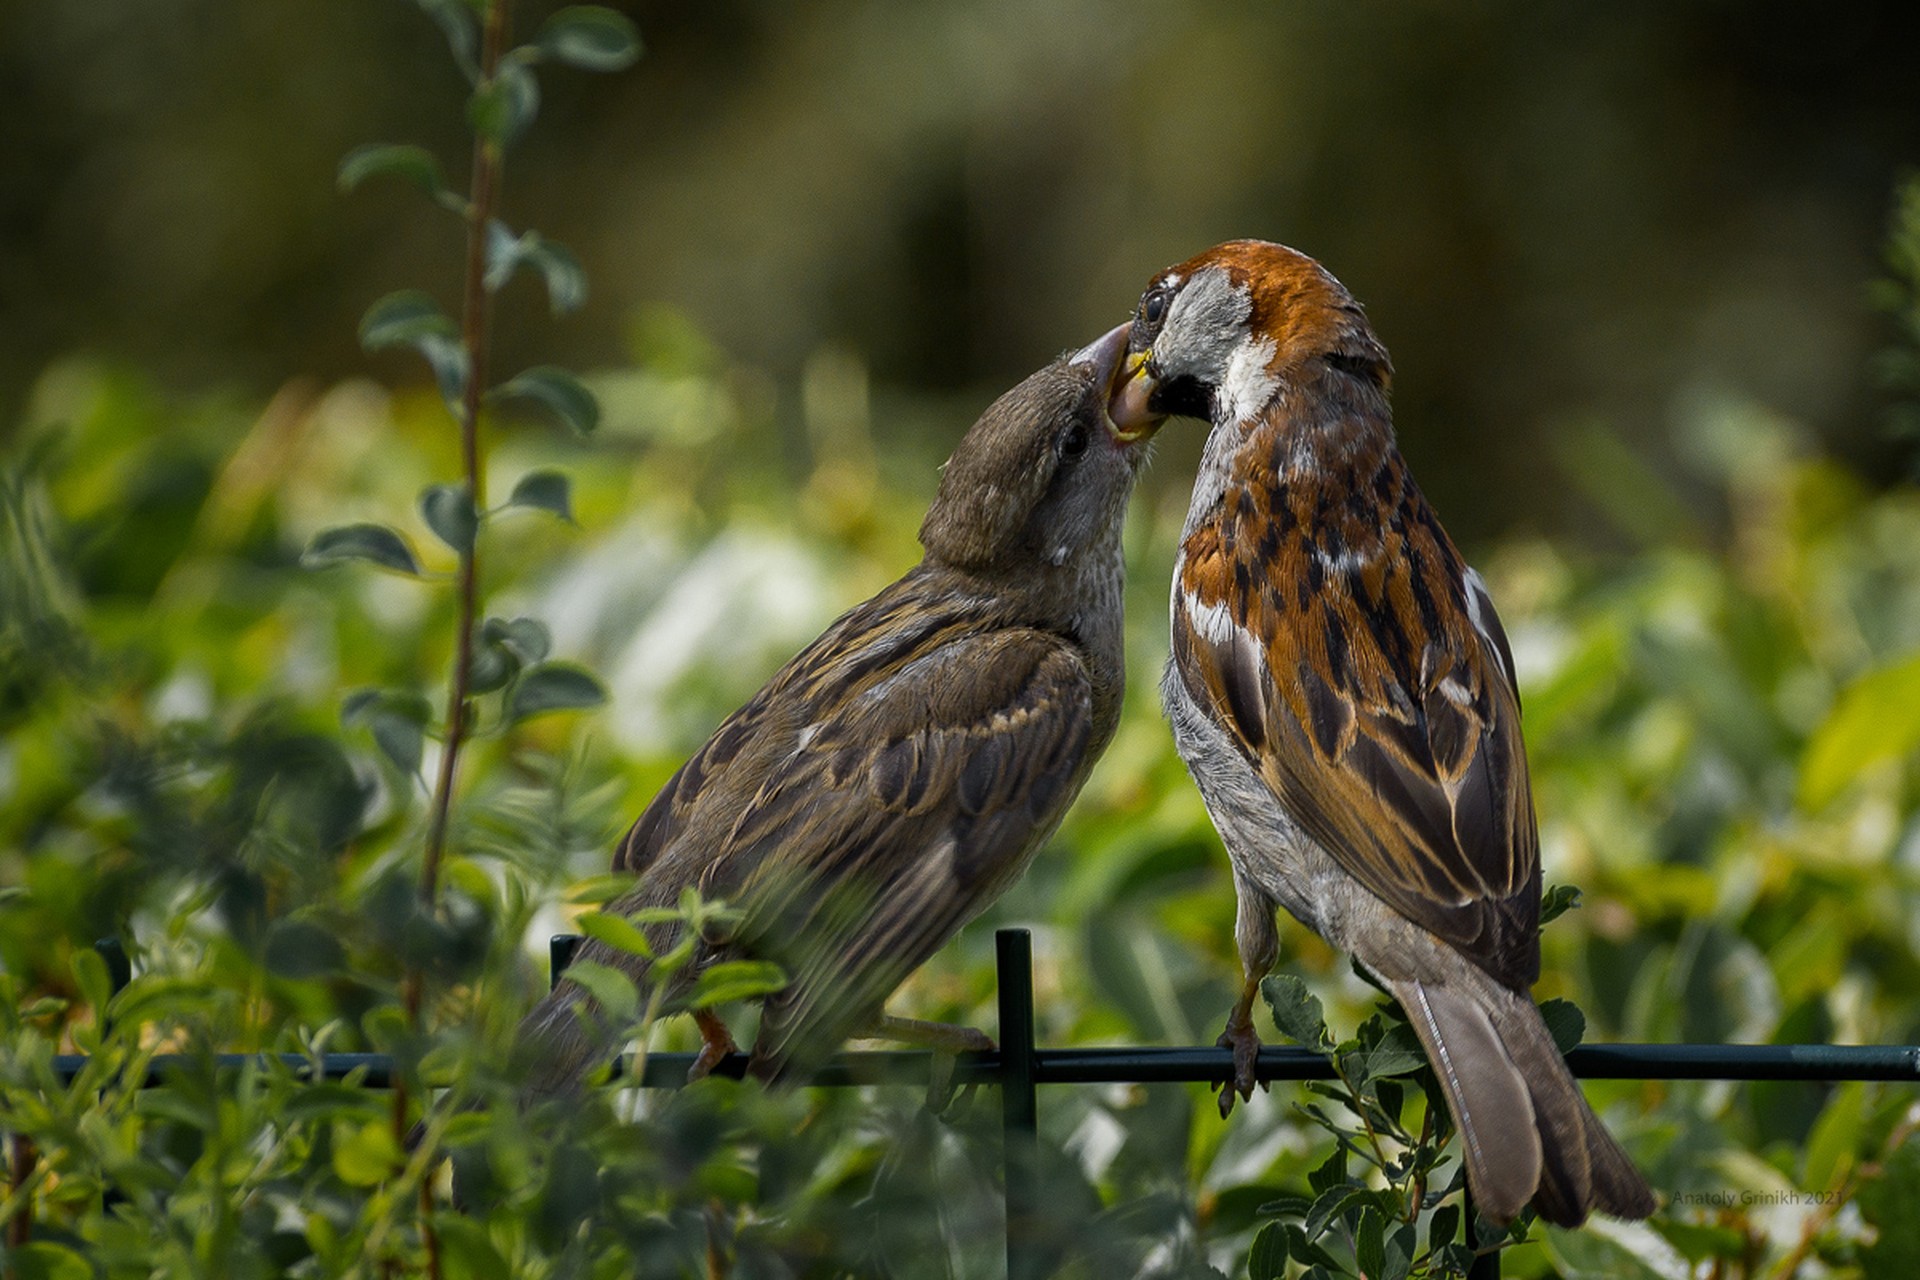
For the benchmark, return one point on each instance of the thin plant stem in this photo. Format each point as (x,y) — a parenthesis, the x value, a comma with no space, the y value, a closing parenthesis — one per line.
(475,325)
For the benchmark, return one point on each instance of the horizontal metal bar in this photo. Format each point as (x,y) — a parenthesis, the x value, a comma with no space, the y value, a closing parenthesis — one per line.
(1193,1065)
(1746,1062)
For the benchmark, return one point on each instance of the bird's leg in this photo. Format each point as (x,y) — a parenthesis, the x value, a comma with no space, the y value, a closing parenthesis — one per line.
(947,1041)
(1245,1043)
(1259,946)
(716,1042)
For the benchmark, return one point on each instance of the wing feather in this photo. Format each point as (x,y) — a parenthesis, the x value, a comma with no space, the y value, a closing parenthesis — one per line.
(1381,710)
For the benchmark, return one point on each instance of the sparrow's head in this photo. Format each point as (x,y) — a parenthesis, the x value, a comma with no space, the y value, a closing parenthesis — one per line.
(1044,475)
(1223,335)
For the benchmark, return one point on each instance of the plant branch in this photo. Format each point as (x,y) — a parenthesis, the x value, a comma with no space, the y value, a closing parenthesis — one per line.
(475,317)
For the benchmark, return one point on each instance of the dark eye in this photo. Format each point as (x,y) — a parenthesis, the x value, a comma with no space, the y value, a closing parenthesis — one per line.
(1153,307)
(1074,442)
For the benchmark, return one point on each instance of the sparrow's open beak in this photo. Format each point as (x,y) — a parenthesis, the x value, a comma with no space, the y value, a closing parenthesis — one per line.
(1128,385)
(1133,387)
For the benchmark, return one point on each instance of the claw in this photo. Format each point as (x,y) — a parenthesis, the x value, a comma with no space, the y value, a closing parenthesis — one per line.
(1245,1043)
(716,1042)
(947,1043)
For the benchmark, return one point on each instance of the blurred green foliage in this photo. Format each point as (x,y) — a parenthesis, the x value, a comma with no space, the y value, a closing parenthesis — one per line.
(1722,714)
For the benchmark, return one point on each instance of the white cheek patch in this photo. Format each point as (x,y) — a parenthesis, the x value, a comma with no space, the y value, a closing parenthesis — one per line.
(1249,382)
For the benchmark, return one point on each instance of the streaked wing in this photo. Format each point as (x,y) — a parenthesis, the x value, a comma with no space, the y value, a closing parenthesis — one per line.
(906,802)
(1381,714)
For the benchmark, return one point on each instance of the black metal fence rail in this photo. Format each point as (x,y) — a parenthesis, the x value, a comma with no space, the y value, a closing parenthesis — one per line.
(1019,1067)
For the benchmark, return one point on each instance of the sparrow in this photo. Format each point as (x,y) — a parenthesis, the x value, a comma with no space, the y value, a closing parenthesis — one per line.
(1343,694)
(898,775)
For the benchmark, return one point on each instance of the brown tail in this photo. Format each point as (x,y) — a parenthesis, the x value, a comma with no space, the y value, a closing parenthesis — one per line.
(567,1035)
(1524,1125)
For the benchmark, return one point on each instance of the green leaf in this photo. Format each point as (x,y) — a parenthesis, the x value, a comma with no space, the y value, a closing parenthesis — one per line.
(412,318)
(494,667)
(44,1260)
(1331,1173)
(544,491)
(402,318)
(90,974)
(1442,1227)
(1557,901)
(554,687)
(527,638)
(1875,718)
(1296,1011)
(1286,1207)
(1369,1244)
(365,1155)
(562,394)
(1397,1261)
(399,160)
(1305,1251)
(469,1249)
(456,19)
(1396,1053)
(737,980)
(565,278)
(1887,1202)
(449,512)
(1565,1023)
(298,948)
(396,718)
(1835,1139)
(1330,1204)
(400,739)
(374,543)
(601,888)
(506,253)
(589,37)
(502,108)
(612,989)
(617,932)
(1268,1261)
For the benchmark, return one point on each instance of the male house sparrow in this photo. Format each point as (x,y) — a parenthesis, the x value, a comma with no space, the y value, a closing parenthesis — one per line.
(897,776)
(1343,694)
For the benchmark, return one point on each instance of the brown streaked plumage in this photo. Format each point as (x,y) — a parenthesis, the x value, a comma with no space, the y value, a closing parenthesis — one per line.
(897,775)
(1344,696)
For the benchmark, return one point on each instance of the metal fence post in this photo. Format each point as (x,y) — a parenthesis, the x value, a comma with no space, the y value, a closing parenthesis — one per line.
(1019,1105)
(1486,1266)
(560,951)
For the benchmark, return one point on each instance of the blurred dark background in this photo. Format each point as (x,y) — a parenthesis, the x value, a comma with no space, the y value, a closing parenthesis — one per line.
(1562,217)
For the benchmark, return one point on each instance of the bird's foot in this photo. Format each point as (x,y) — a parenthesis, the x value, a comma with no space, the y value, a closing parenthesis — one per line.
(947,1041)
(716,1042)
(1245,1043)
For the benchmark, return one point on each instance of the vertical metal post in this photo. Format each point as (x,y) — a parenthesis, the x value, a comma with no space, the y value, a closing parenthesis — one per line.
(1019,1105)
(560,949)
(1486,1266)
(119,967)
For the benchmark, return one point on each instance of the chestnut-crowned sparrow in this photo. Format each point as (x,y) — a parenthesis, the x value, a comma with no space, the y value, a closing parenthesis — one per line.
(1344,696)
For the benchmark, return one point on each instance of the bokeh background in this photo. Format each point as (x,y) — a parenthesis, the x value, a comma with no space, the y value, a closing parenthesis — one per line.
(1650,274)
(1561,217)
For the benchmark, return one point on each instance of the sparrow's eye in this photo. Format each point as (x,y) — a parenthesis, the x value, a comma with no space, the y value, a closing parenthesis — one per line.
(1153,307)
(1074,442)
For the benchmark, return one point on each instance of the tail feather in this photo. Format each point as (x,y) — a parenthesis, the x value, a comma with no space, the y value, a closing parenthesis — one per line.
(1489,1098)
(564,1037)
(1527,1130)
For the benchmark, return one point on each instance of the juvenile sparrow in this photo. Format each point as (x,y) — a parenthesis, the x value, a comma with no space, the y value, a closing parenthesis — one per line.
(897,776)
(1343,695)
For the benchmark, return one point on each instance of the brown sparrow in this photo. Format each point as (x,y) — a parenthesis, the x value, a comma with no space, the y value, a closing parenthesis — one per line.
(897,776)
(1343,694)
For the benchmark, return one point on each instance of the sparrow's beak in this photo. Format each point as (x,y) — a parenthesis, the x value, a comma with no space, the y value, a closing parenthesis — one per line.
(1128,385)
(1133,387)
